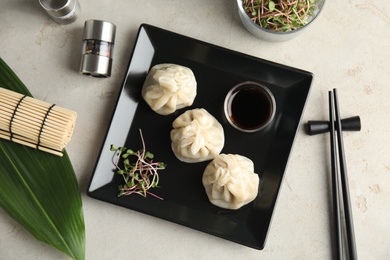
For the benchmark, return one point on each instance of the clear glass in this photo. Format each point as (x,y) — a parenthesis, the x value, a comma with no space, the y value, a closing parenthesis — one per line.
(249,107)
(97,47)
(274,36)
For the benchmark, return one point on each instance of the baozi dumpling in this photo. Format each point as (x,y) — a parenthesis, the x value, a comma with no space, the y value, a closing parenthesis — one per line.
(169,87)
(196,136)
(230,181)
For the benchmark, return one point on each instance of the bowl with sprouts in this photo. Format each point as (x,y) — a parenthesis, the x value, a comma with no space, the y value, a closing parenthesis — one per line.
(278,20)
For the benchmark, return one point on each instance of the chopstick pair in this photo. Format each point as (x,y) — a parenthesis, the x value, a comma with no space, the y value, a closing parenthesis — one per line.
(346,245)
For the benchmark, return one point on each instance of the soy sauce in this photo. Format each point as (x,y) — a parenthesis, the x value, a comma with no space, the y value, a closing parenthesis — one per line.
(250,108)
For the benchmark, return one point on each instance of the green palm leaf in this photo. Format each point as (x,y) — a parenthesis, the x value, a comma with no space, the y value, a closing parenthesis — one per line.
(40,190)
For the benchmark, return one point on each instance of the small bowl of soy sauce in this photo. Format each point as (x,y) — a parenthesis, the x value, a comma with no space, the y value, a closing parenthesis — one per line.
(250,107)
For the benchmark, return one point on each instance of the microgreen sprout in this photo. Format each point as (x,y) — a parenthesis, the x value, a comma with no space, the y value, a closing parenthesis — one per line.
(279,15)
(140,174)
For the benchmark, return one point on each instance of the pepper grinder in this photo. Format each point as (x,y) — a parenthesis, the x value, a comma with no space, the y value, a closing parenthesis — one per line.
(97,48)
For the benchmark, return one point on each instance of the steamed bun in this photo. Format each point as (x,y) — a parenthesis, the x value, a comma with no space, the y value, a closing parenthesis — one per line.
(169,87)
(196,136)
(230,181)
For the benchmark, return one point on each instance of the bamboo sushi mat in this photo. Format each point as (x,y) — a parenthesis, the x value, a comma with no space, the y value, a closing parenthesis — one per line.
(35,123)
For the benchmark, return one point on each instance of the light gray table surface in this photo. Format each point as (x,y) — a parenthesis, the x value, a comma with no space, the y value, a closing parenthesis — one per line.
(347,48)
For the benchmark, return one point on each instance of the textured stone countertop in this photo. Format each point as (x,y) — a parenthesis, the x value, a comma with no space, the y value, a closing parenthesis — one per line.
(346,48)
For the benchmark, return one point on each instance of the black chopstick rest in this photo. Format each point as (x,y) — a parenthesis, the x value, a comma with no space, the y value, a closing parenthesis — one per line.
(315,127)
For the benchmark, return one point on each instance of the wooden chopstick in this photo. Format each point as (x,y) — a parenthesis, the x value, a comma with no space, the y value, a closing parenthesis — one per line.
(345,201)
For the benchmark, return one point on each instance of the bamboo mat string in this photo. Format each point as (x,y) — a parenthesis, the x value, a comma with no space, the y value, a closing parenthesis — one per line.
(43,125)
(13,116)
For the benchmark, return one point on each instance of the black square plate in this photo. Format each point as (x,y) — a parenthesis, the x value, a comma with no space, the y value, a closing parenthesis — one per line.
(216,70)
